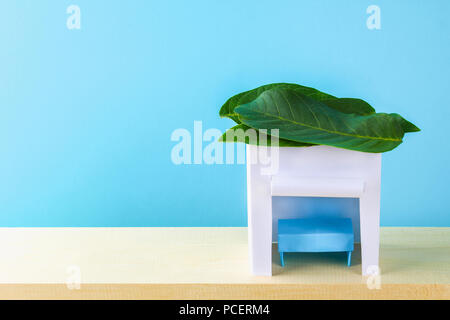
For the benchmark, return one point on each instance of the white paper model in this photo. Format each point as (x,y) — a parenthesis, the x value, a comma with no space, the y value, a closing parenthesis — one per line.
(318,171)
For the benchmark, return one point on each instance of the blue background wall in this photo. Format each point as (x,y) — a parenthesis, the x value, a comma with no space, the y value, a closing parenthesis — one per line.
(86,115)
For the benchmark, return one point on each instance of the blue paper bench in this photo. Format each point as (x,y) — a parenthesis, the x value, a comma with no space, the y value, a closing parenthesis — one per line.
(315,235)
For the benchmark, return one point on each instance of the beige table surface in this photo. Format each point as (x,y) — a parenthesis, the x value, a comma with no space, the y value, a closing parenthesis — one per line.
(209,263)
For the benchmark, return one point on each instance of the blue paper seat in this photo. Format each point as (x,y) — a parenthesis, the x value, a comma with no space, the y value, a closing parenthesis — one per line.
(315,235)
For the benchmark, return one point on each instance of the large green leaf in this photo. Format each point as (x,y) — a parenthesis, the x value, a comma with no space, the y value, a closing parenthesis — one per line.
(346,105)
(304,119)
(227,109)
(233,135)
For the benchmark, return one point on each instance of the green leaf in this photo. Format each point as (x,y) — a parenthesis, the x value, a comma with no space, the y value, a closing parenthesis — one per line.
(227,109)
(406,125)
(234,135)
(303,119)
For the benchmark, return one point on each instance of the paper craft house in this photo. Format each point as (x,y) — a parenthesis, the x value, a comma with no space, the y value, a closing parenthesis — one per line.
(318,171)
